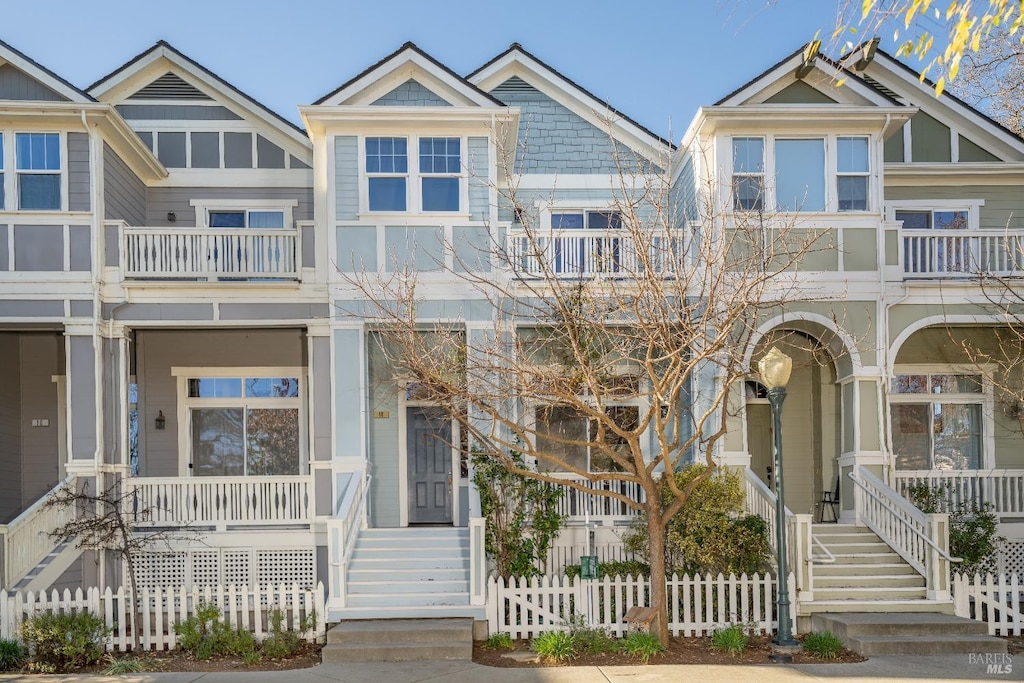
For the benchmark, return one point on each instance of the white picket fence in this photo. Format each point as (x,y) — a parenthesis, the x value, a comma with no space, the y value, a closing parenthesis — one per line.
(996,600)
(158,611)
(697,605)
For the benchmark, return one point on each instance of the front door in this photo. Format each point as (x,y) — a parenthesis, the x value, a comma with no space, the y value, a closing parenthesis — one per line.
(429,455)
(759,440)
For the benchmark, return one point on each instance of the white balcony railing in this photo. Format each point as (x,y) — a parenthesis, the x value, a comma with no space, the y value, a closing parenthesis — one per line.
(1003,490)
(209,253)
(586,253)
(962,253)
(222,501)
(580,505)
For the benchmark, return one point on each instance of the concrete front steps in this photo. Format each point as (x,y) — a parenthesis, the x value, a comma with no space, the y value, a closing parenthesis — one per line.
(905,633)
(409,573)
(399,640)
(867,576)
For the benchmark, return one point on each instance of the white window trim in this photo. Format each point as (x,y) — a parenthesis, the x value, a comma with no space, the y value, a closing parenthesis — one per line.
(185,403)
(203,208)
(985,399)
(831,169)
(547,207)
(971,206)
(11,203)
(852,174)
(413,177)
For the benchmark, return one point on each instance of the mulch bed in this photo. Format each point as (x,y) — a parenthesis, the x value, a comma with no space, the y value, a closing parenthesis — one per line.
(178,660)
(1015,645)
(679,651)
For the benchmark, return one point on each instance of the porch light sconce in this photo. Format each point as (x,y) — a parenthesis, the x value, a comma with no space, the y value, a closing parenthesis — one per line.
(160,421)
(171,216)
(775,368)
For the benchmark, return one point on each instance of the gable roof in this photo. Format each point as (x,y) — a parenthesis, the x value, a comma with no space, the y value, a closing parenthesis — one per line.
(105,87)
(787,64)
(517,53)
(29,66)
(409,53)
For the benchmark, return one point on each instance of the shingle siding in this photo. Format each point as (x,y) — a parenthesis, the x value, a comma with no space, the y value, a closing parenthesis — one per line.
(411,94)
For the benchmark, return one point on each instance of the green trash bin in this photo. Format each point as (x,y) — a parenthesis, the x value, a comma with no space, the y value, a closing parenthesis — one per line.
(588,566)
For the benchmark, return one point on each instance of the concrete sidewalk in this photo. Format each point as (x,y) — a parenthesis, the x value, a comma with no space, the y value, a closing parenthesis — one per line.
(921,669)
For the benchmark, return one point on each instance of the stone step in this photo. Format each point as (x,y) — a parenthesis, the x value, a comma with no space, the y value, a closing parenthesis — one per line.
(851,569)
(828,607)
(870,646)
(897,624)
(399,640)
(870,593)
(868,581)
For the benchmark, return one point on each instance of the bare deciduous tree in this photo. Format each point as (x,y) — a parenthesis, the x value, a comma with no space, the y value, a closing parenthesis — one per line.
(612,353)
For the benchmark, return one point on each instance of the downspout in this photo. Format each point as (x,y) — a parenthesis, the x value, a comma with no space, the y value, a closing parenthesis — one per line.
(96,282)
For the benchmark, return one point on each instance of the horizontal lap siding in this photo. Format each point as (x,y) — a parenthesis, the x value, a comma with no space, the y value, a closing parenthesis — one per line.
(78,172)
(161,200)
(346,177)
(1003,208)
(124,194)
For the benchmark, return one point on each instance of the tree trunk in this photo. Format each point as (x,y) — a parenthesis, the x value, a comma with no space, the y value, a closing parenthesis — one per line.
(656,534)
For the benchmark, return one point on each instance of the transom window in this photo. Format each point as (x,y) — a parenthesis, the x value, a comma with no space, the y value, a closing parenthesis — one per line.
(938,420)
(424,175)
(38,162)
(245,425)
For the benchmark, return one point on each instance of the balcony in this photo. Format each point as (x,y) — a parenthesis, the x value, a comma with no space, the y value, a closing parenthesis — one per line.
(222,502)
(210,254)
(962,253)
(593,253)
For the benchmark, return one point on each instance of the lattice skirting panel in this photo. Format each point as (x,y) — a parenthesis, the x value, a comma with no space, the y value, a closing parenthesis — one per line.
(1011,558)
(226,566)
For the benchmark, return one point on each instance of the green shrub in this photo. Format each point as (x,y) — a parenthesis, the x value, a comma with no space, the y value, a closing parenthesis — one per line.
(12,655)
(592,641)
(205,634)
(972,529)
(281,642)
(499,641)
(709,534)
(823,645)
(61,641)
(554,646)
(642,646)
(730,640)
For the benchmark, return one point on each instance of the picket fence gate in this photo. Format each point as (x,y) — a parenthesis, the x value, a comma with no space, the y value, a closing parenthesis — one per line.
(996,600)
(158,610)
(697,605)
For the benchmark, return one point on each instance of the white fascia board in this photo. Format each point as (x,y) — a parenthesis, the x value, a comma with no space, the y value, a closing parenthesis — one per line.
(120,86)
(799,116)
(897,78)
(320,118)
(42,76)
(407,64)
(571,97)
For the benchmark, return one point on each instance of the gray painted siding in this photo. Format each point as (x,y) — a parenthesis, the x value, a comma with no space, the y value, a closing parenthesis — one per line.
(423,247)
(237,150)
(17,85)
(553,139)
(477,168)
(205,149)
(80,239)
(32,308)
(298,163)
(320,401)
(160,200)
(124,194)
(42,357)
(10,427)
(171,149)
(382,439)
(71,579)
(412,93)
(82,390)
(346,177)
(157,351)
(175,112)
(79,194)
(268,155)
(38,247)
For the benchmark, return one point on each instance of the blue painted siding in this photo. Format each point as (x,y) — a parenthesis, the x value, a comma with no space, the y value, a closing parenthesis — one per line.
(357,249)
(478,165)
(422,246)
(412,94)
(552,139)
(347,396)
(346,177)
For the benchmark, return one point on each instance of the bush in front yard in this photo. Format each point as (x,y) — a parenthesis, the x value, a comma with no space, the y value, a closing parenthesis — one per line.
(61,641)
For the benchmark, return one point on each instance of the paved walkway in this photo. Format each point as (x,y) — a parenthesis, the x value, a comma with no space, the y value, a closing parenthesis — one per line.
(919,669)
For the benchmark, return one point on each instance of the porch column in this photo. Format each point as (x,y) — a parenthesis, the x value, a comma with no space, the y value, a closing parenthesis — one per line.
(83,398)
(862,436)
(735,451)
(114,353)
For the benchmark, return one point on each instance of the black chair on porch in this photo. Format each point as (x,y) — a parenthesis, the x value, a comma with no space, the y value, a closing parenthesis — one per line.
(830,502)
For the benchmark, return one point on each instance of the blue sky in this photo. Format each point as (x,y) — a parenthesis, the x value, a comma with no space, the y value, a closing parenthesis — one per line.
(656,61)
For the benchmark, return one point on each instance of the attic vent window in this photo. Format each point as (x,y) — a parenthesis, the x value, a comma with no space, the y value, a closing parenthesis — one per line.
(880,88)
(170,87)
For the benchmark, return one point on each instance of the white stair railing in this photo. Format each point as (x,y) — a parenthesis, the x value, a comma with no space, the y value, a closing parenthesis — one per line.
(26,538)
(760,500)
(922,540)
(343,531)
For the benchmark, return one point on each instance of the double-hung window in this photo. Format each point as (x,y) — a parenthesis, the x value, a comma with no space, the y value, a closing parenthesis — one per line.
(38,162)
(387,171)
(852,173)
(748,174)
(440,166)
(938,420)
(243,425)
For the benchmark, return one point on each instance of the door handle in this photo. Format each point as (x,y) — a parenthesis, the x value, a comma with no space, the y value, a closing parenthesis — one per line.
(449,483)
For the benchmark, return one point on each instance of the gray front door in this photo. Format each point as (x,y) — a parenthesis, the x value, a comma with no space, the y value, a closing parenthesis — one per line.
(429,455)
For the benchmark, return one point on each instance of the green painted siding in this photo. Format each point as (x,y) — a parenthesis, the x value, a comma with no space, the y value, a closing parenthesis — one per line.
(929,139)
(848,421)
(1003,209)
(894,147)
(869,432)
(972,152)
(800,93)
(892,248)
(861,249)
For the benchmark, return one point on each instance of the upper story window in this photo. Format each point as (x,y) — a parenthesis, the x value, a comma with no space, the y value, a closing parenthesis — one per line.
(242,218)
(585,220)
(934,219)
(424,175)
(38,163)
(241,213)
(807,174)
